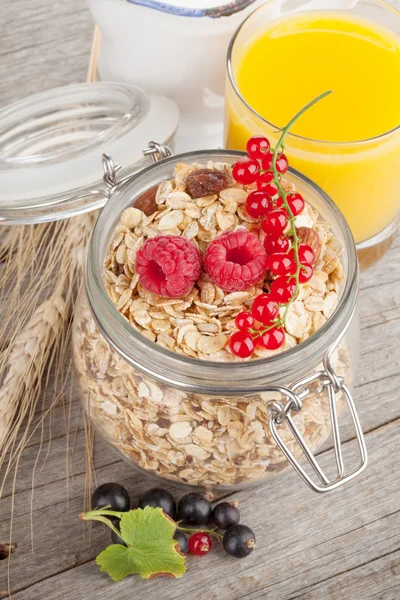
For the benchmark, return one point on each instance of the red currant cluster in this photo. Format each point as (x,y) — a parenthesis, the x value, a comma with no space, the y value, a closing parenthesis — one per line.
(257,327)
(289,261)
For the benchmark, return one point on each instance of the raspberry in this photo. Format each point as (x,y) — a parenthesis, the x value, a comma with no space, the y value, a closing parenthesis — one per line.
(168,265)
(235,260)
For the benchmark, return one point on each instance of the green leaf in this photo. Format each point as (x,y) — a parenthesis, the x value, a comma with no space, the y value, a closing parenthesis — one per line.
(117,561)
(151,549)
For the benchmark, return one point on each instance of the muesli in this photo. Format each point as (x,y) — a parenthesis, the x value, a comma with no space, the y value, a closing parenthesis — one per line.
(188,437)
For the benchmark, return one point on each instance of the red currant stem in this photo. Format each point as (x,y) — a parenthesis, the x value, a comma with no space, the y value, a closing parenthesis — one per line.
(257,332)
(292,121)
(292,218)
(296,241)
(209,531)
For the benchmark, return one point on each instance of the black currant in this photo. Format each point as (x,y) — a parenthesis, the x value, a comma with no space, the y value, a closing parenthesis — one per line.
(239,541)
(115,539)
(193,508)
(181,538)
(225,515)
(113,495)
(158,497)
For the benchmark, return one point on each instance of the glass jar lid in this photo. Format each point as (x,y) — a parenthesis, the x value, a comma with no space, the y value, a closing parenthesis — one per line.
(51,146)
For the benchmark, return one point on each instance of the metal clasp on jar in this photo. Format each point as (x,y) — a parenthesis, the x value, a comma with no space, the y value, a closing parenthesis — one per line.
(280,414)
(155,151)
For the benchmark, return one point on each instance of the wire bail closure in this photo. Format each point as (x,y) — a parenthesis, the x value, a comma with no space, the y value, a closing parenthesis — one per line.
(281,414)
(156,152)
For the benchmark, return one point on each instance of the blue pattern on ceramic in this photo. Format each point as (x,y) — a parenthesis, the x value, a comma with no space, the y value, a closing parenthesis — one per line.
(216,12)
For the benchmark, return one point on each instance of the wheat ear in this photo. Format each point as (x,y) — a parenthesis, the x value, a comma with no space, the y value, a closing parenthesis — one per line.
(43,338)
(7,242)
(27,361)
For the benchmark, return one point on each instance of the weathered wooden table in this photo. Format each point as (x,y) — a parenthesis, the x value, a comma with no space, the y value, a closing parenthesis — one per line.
(342,546)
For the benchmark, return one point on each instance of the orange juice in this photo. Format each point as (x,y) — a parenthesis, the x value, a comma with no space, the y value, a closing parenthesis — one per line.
(348,143)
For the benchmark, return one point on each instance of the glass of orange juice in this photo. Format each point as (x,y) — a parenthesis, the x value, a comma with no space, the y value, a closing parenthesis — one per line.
(349,142)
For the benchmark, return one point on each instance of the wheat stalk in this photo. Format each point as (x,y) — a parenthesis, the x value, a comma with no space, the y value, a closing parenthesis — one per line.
(7,242)
(41,269)
(25,364)
(35,332)
(43,339)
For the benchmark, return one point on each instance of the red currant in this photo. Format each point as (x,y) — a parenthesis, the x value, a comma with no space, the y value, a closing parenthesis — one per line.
(273,338)
(241,343)
(275,222)
(305,274)
(264,309)
(246,170)
(279,263)
(199,543)
(306,254)
(282,290)
(295,201)
(282,163)
(244,321)
(272,243)
(266,161)
(258,204)
(257,146)
(266,184)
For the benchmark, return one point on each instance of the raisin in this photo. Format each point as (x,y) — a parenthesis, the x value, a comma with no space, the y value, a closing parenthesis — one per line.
(205,182)
(147,201)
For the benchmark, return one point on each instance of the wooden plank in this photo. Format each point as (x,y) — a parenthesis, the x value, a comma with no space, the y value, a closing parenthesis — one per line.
(51,481)
(43,45)
(38,24)
(50,62)
(339,547)
(61,458)
(380,304)
(65,418)
(379,579)
(303,540)
(55,470)
(53,510)
(383,272)
(376,348)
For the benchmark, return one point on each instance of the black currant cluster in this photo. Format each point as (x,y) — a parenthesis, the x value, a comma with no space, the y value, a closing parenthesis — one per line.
(194,510)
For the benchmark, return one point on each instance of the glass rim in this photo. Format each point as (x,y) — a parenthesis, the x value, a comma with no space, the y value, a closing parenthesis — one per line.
(195,374)
(296,136)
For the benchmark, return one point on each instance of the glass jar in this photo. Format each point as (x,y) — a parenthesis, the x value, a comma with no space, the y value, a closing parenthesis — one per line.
(362,176)
(208,424)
